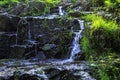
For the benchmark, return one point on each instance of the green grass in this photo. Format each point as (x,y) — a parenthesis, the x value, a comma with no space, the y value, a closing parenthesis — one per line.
(99,22)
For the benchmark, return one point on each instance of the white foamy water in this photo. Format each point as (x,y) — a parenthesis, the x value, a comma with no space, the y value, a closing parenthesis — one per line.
(75,44)
(60,11)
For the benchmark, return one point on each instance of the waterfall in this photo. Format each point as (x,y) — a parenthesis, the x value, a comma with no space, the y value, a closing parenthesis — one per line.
(60,11)
(30,41)
(75,44)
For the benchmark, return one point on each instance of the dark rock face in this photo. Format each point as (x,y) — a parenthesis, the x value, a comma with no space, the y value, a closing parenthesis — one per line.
(5,24)
(24,77)
(8,23)
(17,51)
(56,74)
(52,74)
(6,39)
(27,37)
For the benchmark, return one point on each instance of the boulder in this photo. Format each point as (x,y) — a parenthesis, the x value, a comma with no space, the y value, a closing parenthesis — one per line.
(8,23)
(41,55)
(47,47)
(56,74)
(6,39)
(17,51)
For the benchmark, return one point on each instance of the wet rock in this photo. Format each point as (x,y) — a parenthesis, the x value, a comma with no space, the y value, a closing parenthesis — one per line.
(17,51)
(6,39)
(56,74)
(46,70)
(51,35)
(50,50)
(52,72)
(23,77)
(7,24)
(75,14)
(30,77)
(48,47)
(41,55)
(63,75)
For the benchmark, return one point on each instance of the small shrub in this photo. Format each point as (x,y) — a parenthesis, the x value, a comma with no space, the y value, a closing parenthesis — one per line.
(99,22)
(8,2)
(102,37)
(112,5)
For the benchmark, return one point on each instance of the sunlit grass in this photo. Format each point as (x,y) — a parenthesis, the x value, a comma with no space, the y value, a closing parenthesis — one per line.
(50,2)
(99,22)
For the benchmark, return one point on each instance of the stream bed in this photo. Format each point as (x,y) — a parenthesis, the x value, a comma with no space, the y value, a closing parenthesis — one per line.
(45,70)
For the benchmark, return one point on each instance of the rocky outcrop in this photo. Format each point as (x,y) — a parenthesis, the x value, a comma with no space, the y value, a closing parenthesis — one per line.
(27,37)
(8,23)
(45,71)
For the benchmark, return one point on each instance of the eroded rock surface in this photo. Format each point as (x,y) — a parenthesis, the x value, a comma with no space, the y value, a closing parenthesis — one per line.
(45,70)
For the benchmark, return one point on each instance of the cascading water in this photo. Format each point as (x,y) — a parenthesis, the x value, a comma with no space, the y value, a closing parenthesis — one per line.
(76,46)
(30,41)
(60,11)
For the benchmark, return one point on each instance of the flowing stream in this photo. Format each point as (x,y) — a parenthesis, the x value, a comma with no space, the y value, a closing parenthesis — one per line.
(39,68)
(61,11)
(30,44)
(75,44)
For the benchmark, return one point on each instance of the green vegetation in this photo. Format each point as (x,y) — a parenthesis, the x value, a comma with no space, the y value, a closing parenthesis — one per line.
(112,5)
(99,22)
(27,7)
(8,2)
(101,47)
(101,38)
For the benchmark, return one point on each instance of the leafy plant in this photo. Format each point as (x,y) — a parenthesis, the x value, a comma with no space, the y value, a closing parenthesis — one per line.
(112,5)
(6,2)
(99,22)
(100,44)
